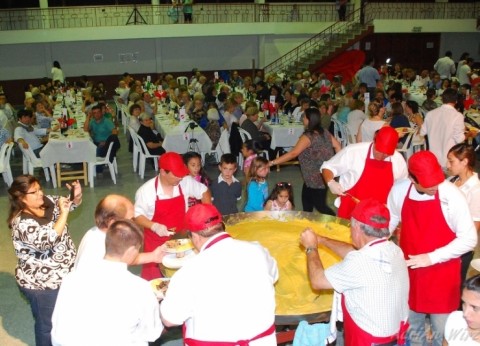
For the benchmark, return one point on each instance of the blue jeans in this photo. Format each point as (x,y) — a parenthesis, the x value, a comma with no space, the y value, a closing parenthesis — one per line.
(42,303)
(416,332)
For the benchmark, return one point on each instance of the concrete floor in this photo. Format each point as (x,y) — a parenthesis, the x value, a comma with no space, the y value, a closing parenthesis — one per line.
(16,322)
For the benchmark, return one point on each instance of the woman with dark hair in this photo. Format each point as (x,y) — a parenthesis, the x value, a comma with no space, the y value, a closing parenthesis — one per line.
(43,246)
(412,111)
(461,165)
(463,327)
(313,147)
(399,120)
(57,74)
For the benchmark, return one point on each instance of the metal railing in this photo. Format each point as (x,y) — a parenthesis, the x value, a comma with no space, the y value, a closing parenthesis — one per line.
(104,16)
(420,10)
(323,40)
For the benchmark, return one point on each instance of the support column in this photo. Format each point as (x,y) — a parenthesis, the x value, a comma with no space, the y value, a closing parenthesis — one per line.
(44,14)
(155,17)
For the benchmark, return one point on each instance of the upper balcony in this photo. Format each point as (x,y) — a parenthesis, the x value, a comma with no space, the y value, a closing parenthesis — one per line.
(154,21)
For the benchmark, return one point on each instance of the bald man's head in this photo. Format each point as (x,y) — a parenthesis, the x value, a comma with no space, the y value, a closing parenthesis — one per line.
(112,208)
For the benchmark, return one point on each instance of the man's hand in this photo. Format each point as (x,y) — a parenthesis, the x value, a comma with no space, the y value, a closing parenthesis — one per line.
(161,230)
(159,253)
(419,261)
(308,238)
(23,143)
(335,187)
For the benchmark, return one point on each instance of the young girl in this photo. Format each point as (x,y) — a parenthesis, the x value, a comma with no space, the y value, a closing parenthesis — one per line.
(193,161)
(281,198)
(257,188)
(249,153)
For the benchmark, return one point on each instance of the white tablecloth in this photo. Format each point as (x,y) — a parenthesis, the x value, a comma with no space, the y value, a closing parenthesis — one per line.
(285,135)
(176,139)
(418,95)
(74,148)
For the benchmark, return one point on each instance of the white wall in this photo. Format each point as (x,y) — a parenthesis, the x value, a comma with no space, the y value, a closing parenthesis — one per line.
(34,60)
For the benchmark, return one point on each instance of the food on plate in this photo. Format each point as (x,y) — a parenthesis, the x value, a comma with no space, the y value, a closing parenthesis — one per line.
(179,246)
(160,287)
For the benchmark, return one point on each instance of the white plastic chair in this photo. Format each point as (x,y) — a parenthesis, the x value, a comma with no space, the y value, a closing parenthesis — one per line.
(339,129)
(136,147)
(112,166)
(222,147)
(406,149)
(125,118)
(182,80)
(144,154)
(5,169)
(31,161)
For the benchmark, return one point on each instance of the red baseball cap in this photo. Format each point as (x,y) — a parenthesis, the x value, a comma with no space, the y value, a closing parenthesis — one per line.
(386,140)
(426,169)
(201,216)
(173,162)
(367,209)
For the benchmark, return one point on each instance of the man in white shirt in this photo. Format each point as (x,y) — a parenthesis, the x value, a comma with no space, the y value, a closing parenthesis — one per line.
(372,277)
(365,170)
(161,203)
(465,72)
(91,250)
(436,230)
(108,305)
(226,292)
(444,127)
(445,66)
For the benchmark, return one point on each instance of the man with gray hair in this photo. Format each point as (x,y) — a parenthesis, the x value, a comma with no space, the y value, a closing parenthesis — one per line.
(372,278)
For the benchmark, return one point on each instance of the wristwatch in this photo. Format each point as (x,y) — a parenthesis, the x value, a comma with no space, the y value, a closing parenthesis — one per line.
(310,249)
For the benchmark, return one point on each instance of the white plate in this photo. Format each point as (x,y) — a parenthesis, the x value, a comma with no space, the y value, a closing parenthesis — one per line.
(178,245)
(173,262)
(154,283)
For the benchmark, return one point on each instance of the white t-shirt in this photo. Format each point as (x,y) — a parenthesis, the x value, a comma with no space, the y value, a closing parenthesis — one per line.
(57,74)
(456,331)
(445,128)
(225,293)
(105,305)
(471,189)
(91,249)
(355,119)
(368,129)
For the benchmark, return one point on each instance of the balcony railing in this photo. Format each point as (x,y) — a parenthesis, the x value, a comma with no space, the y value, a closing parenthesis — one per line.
(104,16)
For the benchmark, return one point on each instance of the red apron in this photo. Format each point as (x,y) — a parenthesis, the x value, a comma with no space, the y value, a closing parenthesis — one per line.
(194,342)
(434,289)
(375,182)
(169,212)
(356,336)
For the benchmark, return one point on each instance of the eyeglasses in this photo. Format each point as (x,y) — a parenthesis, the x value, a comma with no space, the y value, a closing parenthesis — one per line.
(36,192)
(284,184)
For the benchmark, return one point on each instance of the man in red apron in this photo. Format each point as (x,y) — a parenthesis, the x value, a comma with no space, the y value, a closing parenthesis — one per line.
(436,230)
(372,277)
(224,295)
(160,205)
(366,170)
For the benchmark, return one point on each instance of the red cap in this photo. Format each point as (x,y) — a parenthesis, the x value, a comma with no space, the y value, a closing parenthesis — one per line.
(426,169)
(201,216)
(386,140)
(369,208)
(173,162)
